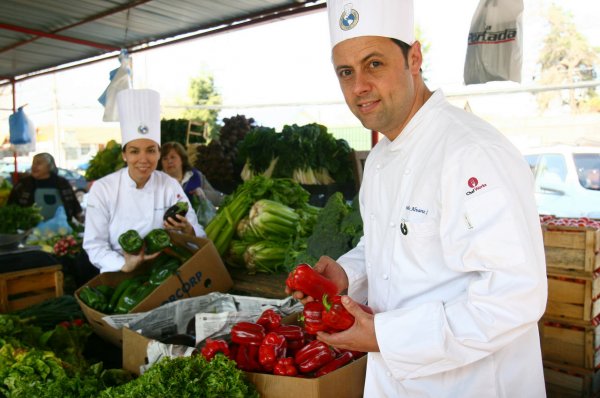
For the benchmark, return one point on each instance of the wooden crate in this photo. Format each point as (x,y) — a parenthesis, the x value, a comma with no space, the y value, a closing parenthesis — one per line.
(568,343)
(21,289)
(572,248)
(572,295)
(570,382)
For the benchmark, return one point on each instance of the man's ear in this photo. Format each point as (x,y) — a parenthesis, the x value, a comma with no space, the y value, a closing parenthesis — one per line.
(415,58)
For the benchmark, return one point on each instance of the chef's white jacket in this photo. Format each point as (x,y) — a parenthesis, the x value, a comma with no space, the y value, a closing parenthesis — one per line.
(115,205)
(451,261)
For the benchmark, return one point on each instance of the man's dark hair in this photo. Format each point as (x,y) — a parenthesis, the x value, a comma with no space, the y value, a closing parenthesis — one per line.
(404,47)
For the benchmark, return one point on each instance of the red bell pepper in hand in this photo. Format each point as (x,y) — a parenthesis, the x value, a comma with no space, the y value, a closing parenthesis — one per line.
(286,367)
(313,356)
(212,347)
(312,315)
(270,320)
(247,333)
(335,316)
(271,350)
(305,279)
(247,358)
(337,363)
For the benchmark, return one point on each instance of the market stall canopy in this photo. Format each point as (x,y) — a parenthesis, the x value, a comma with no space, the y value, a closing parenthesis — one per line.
(41,35)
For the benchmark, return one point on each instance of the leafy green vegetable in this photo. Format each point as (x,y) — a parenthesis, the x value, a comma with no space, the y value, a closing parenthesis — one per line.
(106,161)
(15,217)
(187,377)
(337,230)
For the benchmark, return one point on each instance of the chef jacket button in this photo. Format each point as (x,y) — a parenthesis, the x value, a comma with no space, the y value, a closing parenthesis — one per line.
(372,216)
(388,374)
(385,277)
(369,265)
(392,224)
(378,166)
(407,171)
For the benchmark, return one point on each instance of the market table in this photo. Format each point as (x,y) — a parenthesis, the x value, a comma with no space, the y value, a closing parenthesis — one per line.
(259,284)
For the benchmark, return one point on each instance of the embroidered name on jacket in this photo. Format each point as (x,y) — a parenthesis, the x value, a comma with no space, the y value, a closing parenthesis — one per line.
(417,209)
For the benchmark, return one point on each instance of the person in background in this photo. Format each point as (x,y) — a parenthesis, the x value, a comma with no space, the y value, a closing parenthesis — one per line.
(45,188)
(175,162)
(137,196)
(452,258)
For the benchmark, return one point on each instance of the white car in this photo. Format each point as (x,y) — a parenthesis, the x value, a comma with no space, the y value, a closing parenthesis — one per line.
(567,180)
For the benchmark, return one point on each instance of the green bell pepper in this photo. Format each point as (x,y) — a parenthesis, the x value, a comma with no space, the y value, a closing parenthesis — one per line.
(133,295)
(157,240)
(131,242)
(94,298)
(114,299)
(160,272)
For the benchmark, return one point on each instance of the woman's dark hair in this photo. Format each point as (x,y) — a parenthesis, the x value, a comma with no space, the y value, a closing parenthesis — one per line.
(177,147)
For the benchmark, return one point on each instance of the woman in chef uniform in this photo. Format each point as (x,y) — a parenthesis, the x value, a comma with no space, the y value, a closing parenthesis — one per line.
(137,196)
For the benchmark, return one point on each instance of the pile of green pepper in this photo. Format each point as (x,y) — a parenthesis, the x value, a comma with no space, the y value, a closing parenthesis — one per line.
(130,292)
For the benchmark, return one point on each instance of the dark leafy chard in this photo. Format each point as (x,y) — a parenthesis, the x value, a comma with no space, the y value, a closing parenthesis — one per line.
(179,208)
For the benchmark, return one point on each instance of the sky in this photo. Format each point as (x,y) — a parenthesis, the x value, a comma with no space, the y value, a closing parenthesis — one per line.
(279,63)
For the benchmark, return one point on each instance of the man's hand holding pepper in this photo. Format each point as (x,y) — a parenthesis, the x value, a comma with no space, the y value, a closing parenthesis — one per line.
(331,270)
(360,337)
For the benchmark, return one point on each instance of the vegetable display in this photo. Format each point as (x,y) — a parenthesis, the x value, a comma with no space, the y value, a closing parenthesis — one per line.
(308,154)
(287,350)
(106,161)
(49,363)
(16,218)
(191,376)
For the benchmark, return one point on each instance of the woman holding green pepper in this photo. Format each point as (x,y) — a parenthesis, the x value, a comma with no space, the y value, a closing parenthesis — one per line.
(137,196)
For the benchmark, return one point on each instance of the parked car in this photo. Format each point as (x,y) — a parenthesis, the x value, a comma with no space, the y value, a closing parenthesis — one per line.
(567,180)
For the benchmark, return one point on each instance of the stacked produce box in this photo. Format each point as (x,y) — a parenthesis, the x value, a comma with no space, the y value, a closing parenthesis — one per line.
(569,331)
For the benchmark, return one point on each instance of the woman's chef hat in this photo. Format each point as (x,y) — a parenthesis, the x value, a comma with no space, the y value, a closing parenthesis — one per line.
(355,18)
(139,115)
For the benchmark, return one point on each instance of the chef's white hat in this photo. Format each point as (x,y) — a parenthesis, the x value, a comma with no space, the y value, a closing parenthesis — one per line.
(139,115)
(355,18)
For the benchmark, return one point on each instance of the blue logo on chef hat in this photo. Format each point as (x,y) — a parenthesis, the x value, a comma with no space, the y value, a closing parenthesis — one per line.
(349,17)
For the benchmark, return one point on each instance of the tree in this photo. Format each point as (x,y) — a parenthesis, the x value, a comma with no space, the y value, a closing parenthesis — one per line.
(202,92)
(566,57)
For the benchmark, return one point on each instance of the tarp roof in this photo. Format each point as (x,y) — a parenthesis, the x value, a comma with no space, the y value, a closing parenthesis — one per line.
(41,35)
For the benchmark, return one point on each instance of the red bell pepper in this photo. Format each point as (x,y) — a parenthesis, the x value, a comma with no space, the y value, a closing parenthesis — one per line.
(271,350)
(312,314)
(293,346)
(313,356)
(286,367)
(212,347)
(305,279)
(247,333)
(269,319)
(247,358)
(290,332)
(338,362)
(335,316)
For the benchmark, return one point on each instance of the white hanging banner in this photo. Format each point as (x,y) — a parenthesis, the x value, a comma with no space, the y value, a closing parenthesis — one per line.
(120,79)
(495,48)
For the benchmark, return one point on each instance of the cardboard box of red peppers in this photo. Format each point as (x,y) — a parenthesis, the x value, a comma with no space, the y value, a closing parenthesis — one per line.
(280,353)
